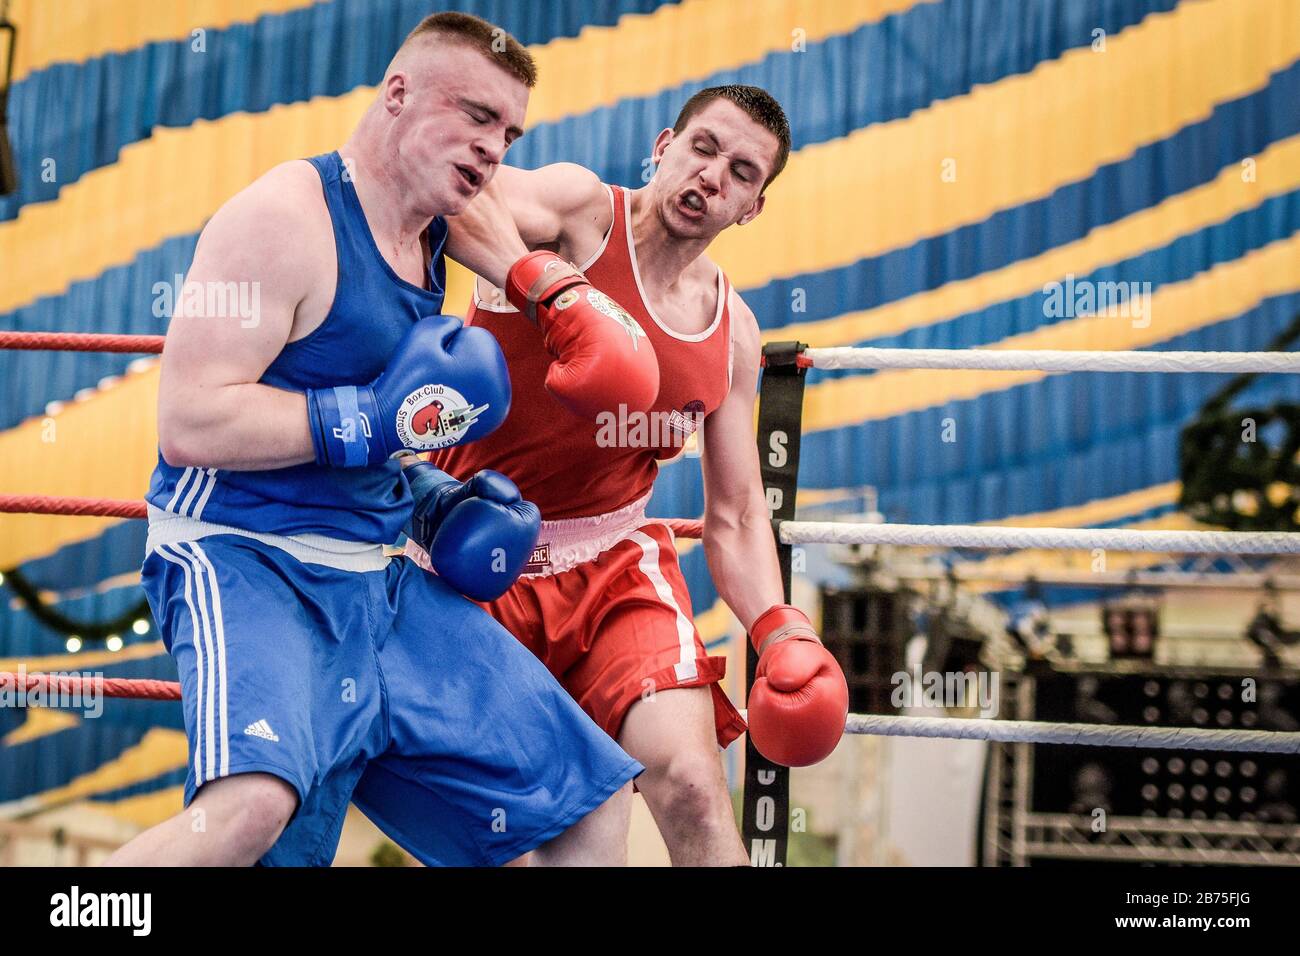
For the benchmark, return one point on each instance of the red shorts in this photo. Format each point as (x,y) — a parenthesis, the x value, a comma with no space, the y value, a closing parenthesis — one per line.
(618,627)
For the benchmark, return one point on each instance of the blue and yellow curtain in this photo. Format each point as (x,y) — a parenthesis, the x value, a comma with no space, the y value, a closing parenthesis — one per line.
(952,157)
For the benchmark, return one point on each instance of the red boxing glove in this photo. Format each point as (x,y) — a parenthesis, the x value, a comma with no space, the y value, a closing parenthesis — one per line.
(800,700)
(603,358)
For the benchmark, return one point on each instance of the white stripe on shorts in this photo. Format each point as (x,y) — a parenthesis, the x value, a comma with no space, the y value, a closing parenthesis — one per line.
(180,486)
(200,660)
(209,711)
(211,750)
(211,481)
(649,565)
(219,629)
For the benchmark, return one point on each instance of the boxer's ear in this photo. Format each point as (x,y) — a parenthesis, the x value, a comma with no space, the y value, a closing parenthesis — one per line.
(661,144)
(752,213)
(395,93)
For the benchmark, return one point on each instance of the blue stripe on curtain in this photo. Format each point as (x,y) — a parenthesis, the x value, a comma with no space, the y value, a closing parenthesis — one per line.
(116,301)
(1062,441)
(82,114)
(1193,156)
(879,73)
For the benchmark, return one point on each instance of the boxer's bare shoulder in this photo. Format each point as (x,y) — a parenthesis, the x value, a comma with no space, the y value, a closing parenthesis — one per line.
(277,232)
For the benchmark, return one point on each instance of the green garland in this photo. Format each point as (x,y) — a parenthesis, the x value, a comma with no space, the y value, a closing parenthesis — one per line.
(1238,484)
(56,621)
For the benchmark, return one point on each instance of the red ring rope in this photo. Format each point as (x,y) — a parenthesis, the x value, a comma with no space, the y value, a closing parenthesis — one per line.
(63,505)
(119,508)
(142,689)
(686,527)
(80,342)
(70,684)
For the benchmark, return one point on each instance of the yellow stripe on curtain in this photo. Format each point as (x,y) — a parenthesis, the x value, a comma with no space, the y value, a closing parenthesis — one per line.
(72,31)
(145,809)
(1099,511)
(103,447)
(158,752)
(1023,564)
(680,42)
(1220,293)
(169,184)
(715,622)
(1011,142)
(460,288)
(1055,126)
(40,722)
(84,660)
(1278,170)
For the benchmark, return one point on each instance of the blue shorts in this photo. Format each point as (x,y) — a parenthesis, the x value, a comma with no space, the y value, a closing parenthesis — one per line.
(383,687)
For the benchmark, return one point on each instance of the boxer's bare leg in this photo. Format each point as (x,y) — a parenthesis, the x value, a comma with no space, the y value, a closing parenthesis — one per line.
(672,734)
(230,822)
(598,839)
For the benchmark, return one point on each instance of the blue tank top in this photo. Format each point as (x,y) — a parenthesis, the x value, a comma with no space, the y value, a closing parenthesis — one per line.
(373,309)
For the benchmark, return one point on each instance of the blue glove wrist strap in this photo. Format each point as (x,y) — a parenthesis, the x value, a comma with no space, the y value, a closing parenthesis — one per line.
(429,485)
(343,427)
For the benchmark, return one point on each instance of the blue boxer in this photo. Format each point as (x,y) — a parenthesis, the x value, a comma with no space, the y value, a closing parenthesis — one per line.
(306,651)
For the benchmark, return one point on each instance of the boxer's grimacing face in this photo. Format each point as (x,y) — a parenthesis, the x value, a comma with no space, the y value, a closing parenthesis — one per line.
(456,120)
(711,174)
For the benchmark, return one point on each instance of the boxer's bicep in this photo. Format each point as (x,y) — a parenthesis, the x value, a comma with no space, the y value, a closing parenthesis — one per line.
(521,211)
(235,311)
(521,192)
(256,261)
(551,203)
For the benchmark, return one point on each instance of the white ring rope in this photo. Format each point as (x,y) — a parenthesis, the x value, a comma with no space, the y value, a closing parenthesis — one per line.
(1051,360)
(994,538)
(1091,735)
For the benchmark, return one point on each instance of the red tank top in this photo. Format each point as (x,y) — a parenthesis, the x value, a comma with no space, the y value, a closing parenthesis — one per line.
(572,467)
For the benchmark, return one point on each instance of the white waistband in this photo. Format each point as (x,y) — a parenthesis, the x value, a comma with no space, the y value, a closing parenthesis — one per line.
(566,543)
(167,528)
(569,542)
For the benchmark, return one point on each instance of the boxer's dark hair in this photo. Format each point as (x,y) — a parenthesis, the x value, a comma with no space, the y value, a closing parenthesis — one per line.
(758,104)
(490,40)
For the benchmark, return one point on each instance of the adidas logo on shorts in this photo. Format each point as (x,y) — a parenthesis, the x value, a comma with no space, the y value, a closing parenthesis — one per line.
(260,728)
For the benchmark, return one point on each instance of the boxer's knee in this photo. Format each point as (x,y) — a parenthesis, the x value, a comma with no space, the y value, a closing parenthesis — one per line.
(247,811)
(688,787)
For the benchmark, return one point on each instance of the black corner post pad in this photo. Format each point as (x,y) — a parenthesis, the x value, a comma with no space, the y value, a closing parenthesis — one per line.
(783,356)
(765,817)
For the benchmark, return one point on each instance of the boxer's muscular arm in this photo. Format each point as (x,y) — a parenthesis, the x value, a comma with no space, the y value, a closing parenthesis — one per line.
(556,207)
(211,411)
(738,542)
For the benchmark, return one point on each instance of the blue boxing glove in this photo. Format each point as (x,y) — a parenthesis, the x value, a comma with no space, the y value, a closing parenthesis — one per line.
(444,384)
(478,534)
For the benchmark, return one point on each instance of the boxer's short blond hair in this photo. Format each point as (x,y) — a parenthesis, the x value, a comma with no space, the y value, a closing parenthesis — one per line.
(490,40)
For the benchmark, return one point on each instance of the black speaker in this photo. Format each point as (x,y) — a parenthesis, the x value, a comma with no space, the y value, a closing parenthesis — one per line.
(866,629)
(1168,784)
(1132,627)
